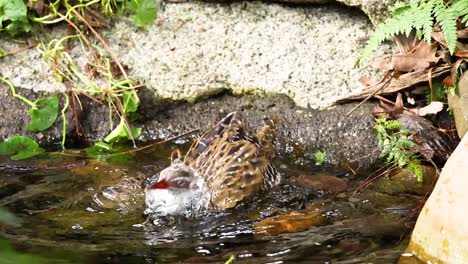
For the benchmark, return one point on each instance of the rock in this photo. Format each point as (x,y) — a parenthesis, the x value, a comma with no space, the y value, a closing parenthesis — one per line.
(458,104)
(441,232)
(198,49)
(376,10)
(403,181)
(330,184)
(301,131)
(430,142)
(295,221)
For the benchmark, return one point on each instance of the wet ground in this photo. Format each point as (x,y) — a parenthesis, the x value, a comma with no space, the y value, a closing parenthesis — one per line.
(79,210)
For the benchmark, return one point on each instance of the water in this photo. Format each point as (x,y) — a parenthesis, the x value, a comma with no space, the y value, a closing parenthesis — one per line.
(74,210)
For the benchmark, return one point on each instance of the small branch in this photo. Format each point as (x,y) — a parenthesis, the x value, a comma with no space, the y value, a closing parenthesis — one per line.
(104,43)
(83,36)
(375,92)
(19,50)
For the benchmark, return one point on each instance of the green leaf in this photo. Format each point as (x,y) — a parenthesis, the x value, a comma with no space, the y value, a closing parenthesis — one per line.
(320,157)
(13,17)
(145,12)
(21,147)
(100,148)
(121,133)
(130,102)
(415,168)
(44,115)
(103,151)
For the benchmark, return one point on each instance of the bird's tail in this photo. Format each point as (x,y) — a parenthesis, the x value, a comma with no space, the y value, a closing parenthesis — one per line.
(266,135)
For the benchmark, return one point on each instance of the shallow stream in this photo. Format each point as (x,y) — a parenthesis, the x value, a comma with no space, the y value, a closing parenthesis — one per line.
(78,210)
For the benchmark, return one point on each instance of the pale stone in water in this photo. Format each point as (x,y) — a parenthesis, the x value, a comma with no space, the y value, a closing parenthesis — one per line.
(441,232)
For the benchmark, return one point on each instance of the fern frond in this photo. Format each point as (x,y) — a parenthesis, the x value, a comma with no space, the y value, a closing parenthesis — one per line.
(460,7)
(415,168)
(420,15)
(423,19)
(393,125)
(447,20)
(399,23)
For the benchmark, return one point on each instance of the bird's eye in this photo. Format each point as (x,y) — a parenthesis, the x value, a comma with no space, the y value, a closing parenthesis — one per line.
(183,184)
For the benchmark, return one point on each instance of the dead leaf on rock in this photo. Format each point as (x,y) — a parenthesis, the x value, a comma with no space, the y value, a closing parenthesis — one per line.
(421,57)
(432,108)
(397,83)
(461,47)
(295,221)
(368,81)
(450,80)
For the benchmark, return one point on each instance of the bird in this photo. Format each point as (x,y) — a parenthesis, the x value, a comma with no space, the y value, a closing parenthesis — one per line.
(222,168)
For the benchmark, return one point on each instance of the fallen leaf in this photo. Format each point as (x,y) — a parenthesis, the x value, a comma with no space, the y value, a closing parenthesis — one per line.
(432,108)
(450,80)
(397,84)
(461,47)
(422,56)
(295,221)
(406,43)
(368,81)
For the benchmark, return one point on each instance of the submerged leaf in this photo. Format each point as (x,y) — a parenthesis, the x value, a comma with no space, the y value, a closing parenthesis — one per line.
(21,147)
(99,148)
(44,115)
(121,133)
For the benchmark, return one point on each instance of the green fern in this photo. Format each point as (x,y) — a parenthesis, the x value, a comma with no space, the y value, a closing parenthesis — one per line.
(420,16)
(395,145)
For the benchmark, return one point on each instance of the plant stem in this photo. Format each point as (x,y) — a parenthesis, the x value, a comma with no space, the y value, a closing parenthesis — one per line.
(13,92)
(64,120)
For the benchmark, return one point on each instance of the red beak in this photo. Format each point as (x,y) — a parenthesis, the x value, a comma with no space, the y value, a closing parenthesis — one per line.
(162,184)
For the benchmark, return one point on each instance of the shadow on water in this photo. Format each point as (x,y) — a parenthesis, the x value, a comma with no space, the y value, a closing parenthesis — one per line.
(89,211)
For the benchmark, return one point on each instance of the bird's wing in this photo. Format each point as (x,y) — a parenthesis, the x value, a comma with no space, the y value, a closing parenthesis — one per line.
(234,164)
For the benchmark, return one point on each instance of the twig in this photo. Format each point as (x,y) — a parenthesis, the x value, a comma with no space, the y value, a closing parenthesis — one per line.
(129,151)
(117,61)
(385,84)
(32,45)
(83,36)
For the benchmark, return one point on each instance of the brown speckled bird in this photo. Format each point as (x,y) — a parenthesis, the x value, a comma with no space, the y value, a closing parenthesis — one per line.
(222,168)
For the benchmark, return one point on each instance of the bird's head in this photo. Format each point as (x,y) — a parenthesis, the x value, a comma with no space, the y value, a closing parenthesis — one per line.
(177,190)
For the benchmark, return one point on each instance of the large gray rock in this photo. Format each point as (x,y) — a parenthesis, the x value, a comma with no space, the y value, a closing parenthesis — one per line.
(198,49)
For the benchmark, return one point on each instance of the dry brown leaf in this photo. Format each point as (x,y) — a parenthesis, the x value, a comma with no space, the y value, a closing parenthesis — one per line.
(461,47)
(397,84)
(292,222)
(406,43)
(368,81)
(450,80)
(421,57)
(432,108)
